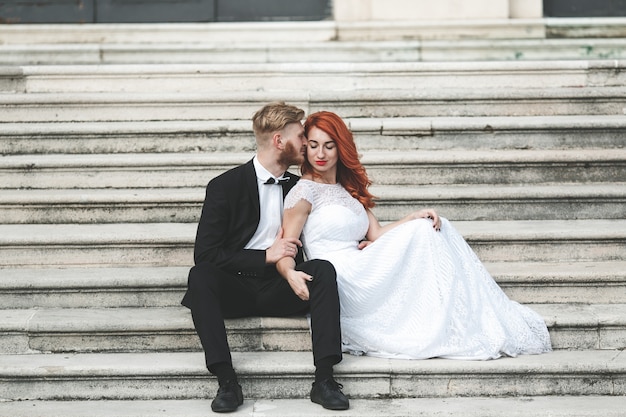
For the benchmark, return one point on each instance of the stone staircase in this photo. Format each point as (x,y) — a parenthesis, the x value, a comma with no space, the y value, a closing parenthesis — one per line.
(109,134)
(428,41)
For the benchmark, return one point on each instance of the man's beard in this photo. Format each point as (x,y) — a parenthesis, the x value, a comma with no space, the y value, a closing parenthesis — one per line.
(291,156)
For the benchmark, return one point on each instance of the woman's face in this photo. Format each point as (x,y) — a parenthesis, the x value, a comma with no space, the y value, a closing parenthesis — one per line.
(322,153)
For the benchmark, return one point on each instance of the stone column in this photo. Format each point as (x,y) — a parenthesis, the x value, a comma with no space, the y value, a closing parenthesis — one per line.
(415,10)
(526,9)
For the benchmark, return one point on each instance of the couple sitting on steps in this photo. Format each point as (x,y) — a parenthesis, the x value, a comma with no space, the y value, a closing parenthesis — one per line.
(411,289)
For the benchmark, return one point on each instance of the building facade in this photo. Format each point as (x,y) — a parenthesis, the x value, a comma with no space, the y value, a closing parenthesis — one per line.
(143,11)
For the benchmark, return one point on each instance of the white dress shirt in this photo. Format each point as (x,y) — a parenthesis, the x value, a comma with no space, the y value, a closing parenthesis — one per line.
(271,204)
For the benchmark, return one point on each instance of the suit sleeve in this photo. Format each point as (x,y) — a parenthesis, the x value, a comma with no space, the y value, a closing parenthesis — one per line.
(219,234)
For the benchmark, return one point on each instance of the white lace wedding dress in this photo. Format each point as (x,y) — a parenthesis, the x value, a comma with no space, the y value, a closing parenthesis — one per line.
(414,293)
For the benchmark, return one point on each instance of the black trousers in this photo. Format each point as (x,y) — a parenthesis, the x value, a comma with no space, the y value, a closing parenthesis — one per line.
(214,295)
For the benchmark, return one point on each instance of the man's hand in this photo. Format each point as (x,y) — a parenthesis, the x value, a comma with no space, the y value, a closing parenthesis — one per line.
(281,248)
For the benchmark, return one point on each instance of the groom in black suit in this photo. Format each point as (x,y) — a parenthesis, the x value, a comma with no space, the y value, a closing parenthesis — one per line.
(238,242)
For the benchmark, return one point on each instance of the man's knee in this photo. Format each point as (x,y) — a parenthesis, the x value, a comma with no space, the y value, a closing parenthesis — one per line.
(202,277)
(321,270)
(326,268)
(319,267)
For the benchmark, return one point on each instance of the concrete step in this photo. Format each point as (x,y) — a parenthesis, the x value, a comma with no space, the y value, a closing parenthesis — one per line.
(314,51)
(489,133)
(157,329)
(269,31)
(505,202)
(456,202)
(170,329)
(171,244)
(483,29)
(520,49)
(467,167)
(102,287)
(309,76)
(371,134)
(450,102)
(143,376)
(548,406)
(584,27)
(252,52)
(415,167)
(302,32)
(122,33)
(463,102)
(561,282)
(109,287)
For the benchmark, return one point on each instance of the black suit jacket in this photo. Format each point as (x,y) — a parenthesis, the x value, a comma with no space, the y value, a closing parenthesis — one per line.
(230,216)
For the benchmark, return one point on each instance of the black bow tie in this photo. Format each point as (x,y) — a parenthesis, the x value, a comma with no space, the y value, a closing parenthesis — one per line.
(281,181)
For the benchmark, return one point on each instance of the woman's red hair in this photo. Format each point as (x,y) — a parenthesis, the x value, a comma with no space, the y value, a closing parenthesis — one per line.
(350,172)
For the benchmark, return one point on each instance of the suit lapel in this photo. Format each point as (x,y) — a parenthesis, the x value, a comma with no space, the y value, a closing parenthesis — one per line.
(252,188)
(289,185)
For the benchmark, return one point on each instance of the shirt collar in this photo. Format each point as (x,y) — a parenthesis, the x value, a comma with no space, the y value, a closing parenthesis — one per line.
(263,174)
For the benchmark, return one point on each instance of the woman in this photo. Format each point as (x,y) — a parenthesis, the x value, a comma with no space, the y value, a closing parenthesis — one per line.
(417,290)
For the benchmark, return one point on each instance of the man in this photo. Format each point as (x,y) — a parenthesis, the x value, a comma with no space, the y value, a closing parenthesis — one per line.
(238,242)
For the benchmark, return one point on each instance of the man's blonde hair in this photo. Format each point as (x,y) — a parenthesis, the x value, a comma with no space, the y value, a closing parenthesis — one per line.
(274,116)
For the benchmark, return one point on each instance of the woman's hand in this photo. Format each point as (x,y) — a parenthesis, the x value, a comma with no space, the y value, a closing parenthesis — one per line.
(429,214)
(297,281)
(363,244)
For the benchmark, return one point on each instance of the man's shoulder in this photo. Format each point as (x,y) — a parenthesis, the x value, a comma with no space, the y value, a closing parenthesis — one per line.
(233,174)
(293,177)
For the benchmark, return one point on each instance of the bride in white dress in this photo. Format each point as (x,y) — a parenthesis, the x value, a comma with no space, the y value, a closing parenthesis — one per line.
(417,290)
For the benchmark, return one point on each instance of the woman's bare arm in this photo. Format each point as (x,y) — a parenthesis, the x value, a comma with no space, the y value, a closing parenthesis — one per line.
(376,230)
(293,223)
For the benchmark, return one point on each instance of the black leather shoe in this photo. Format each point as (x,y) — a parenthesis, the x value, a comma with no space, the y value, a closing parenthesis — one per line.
(228,398)
(328,394)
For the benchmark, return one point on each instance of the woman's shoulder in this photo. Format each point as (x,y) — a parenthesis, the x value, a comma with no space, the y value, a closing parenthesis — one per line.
(306,182)
(314,188)
(303,190)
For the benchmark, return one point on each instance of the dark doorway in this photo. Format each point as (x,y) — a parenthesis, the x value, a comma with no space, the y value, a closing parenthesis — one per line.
(584,8)
(272,10)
